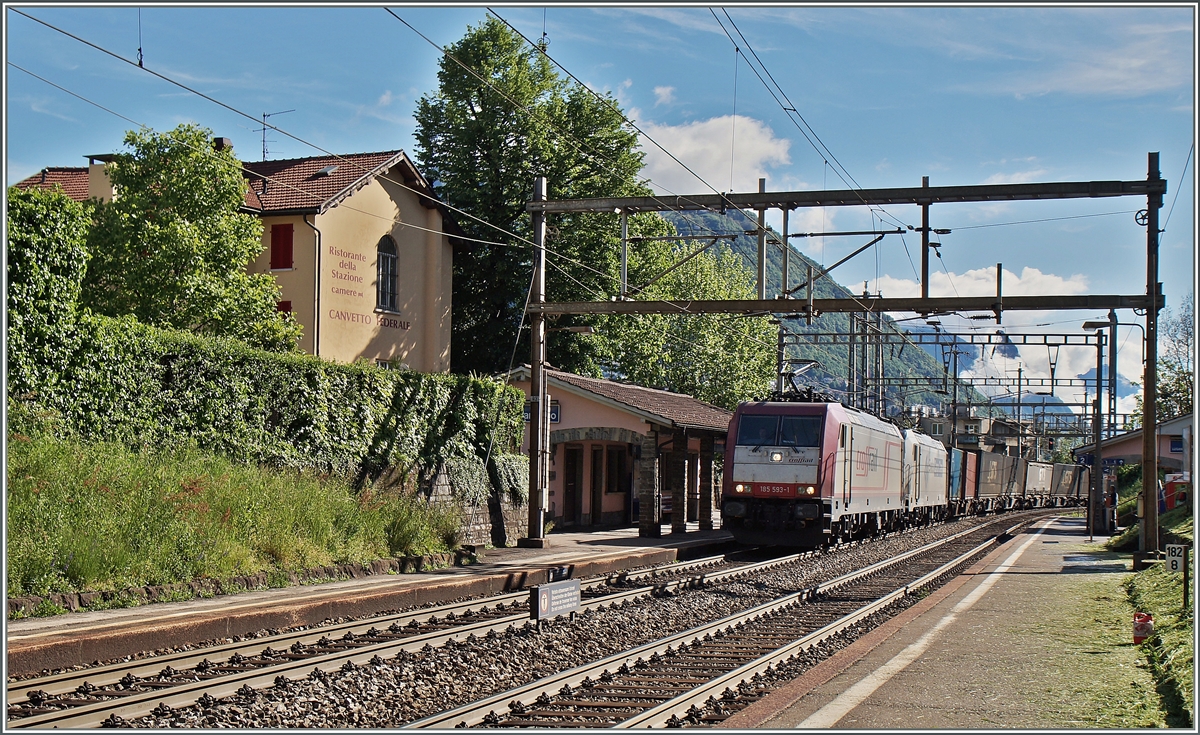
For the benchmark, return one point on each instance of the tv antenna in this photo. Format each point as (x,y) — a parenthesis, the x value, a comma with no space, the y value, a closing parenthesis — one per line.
(264,128)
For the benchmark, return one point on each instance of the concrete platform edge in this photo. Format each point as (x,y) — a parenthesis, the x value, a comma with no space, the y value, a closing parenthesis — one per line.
(779,700)
(70,649)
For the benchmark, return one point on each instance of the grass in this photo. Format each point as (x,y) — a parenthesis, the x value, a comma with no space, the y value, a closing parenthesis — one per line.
(1098,679)
(1169,651)
(1177,521)
(95,517)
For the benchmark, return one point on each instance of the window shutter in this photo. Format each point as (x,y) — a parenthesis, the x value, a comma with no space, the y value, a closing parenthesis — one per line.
(281,247)
(284,306)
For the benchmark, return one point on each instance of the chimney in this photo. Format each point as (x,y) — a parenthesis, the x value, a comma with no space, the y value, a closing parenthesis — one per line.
(221,144)
(99,185)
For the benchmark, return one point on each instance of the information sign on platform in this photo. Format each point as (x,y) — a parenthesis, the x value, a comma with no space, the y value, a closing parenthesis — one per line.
(556,598)
(1175,557)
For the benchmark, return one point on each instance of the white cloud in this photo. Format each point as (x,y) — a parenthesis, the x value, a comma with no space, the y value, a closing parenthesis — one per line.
(1019,177)
(664,95)
(982,282)
(43,105)
(1034,360)
(704,146)
(385,99)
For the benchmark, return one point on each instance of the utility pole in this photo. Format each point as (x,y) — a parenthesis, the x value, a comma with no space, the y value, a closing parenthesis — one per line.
(762,244)
(925,242)
(1020,433)
(1096,494)
(1112,372)
(1149,530)
(538,415)
(954,398)
(785,280)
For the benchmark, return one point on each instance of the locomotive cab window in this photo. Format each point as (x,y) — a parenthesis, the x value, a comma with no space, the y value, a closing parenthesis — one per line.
(757,431)
(800,431)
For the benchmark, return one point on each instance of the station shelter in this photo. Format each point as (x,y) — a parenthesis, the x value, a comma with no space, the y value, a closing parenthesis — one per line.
(623,455)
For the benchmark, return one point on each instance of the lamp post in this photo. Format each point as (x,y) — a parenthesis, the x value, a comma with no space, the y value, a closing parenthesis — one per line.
(1095,494)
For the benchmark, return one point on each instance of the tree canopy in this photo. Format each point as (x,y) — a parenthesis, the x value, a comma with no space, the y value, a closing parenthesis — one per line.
(171,248)
(1176,363)
(482,144)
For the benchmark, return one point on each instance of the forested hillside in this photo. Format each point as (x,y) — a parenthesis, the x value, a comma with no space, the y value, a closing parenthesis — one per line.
(830,374)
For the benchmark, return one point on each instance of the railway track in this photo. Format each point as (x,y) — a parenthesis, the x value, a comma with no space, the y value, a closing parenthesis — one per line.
(702,676)
(86,698)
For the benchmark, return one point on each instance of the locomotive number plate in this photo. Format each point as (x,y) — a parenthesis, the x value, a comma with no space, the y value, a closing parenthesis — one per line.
(767,489)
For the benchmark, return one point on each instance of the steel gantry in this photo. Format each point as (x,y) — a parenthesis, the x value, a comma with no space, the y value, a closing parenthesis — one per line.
(1153,187)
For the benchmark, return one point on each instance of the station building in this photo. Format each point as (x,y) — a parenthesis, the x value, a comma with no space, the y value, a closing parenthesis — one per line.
(623,455)
(361,250)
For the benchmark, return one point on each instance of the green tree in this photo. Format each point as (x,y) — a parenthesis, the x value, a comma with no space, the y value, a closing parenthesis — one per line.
(171,248)
(482,145)
(1176,363)
(718,358)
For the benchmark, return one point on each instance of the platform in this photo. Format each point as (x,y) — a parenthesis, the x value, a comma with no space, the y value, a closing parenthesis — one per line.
(35,644)
(958,659)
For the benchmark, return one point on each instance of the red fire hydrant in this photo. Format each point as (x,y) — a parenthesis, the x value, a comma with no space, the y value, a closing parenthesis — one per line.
(1143,626)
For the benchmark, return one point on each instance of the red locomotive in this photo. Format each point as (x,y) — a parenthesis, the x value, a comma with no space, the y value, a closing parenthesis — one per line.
(808,474)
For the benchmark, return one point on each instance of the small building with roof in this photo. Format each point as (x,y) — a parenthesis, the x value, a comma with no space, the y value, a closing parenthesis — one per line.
(622,454)
(1173,437)
(360,248)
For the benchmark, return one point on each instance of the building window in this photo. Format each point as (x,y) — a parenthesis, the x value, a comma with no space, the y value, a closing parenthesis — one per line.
(936,430)
(284,306)
(281,247)
(385,288)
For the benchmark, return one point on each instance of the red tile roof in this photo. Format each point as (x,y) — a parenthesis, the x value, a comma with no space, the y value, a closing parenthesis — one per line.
(297,184)
(282,186)
(72,179)
(667,408)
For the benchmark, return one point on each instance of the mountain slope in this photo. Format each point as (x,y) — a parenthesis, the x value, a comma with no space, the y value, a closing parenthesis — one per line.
(832,370)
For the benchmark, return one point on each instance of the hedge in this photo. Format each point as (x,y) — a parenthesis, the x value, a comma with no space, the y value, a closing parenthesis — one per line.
(116,379)
(120,380)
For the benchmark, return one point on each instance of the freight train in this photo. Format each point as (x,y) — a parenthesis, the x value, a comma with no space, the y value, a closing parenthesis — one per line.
(808,474)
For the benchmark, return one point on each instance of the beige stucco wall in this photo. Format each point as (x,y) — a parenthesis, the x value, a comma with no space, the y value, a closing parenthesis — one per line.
(417,334)
(296,283)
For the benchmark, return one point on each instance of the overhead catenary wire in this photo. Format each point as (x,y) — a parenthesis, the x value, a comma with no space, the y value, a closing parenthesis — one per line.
(277,182)
(617,110)
(285,184)
(247,171)
(1182,173)
(790,108)
(351,163)
(313,145)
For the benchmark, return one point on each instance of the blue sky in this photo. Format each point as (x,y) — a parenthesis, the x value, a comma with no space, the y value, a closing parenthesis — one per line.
(964,95)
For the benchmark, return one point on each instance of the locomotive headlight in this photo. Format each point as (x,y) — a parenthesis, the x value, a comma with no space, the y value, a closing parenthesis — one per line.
(776,456)
(741,488)
(810,490)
